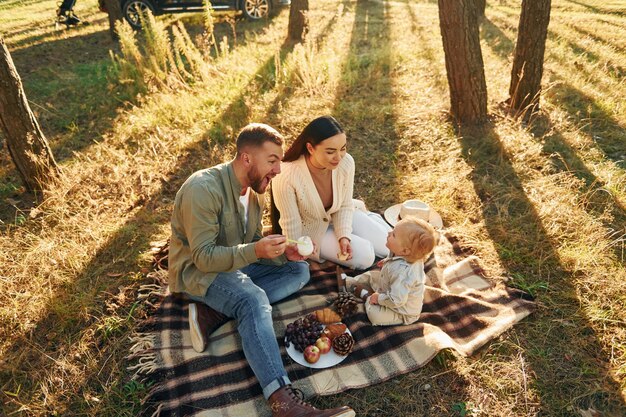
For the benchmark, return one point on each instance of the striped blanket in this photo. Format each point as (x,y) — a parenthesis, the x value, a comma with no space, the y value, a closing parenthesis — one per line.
(462,311)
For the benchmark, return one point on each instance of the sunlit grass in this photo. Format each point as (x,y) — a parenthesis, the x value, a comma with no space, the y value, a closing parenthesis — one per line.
(542,205)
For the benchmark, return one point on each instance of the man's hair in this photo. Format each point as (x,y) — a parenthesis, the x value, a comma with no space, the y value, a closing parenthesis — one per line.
(420,239)
(255,135)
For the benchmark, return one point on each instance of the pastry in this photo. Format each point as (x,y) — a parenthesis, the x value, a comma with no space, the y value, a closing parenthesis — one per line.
(327,316)
(333,330)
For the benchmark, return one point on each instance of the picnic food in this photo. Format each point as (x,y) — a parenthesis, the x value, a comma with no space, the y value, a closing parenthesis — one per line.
(327,316)
(324,344)
(346,304)
(305,246)
(303,332)
(343,344)
(311,354)
(333,330)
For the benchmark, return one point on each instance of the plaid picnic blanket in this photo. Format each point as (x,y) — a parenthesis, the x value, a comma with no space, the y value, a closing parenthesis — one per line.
(462,311)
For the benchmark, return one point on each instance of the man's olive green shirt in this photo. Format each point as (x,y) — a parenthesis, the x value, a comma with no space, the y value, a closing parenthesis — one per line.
(209,233)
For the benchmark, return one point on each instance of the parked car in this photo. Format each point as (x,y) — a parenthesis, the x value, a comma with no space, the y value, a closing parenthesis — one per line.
(251,9)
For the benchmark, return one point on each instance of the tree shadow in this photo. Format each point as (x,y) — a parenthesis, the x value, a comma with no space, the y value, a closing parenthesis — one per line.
(576,103)
(53,333)
(598,10)
(496,39)
(587,34)
(531,254)
(366,78)
(7,4)
(64,90)
(273,114)
(605,131)
(64,80)
(93,18)
(564,158)
(238,113)
(440,80)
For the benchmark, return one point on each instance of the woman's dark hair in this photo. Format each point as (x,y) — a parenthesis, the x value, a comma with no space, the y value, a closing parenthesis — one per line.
(315,132)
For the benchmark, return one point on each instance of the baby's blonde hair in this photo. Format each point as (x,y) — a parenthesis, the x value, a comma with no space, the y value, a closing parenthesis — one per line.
(420,238)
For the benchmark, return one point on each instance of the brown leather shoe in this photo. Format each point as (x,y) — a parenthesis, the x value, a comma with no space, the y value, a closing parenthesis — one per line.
(287,402)
(203,321)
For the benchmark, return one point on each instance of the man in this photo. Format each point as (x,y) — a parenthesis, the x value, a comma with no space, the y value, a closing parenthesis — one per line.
(66,13)
(219,258)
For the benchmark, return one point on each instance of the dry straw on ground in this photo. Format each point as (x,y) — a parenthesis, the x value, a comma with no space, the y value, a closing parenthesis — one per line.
(543,205)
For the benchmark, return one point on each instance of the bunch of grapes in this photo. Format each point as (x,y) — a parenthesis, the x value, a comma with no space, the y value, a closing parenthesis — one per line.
(303,332)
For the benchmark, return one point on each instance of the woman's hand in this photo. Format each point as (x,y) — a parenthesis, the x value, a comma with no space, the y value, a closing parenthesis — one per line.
(345,248)
(292,254)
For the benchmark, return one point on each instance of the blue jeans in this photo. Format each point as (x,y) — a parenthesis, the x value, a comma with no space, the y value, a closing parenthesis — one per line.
(246,295)
(67,5)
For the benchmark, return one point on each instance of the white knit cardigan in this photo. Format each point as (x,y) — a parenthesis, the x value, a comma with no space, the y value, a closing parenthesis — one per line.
(301,209)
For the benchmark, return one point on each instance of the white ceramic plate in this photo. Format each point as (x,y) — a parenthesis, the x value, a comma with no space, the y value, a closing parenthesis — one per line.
(326,359)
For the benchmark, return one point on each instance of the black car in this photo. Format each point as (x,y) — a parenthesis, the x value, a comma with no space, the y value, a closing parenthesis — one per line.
(251,9)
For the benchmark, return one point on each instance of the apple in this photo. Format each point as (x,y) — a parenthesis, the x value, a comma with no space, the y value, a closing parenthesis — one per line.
(323,344)
(311,354)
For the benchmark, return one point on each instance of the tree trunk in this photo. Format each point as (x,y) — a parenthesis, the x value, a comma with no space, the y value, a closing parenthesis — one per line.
(525,88)
(298,20)
(481,5)
(114,10)
(464,61)
(26,143)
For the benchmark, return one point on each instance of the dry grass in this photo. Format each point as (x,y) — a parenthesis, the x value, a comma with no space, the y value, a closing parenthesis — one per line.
(543,205)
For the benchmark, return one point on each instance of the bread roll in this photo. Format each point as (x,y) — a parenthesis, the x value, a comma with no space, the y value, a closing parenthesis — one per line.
(327,316)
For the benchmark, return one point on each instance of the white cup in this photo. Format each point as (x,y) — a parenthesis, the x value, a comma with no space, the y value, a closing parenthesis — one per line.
(305,246)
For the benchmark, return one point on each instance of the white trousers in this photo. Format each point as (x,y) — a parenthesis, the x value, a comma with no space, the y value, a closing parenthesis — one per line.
(368,238)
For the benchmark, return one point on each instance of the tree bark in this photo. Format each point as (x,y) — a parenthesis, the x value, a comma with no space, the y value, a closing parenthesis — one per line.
(114,10)
(481,5)
(464,61)
(27,145)
(298,20)
(525,88)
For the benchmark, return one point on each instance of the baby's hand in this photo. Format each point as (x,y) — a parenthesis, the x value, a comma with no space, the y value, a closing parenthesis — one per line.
(374,298)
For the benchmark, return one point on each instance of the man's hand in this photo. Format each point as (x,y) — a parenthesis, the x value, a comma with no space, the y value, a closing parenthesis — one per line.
(345,248)
(270,246)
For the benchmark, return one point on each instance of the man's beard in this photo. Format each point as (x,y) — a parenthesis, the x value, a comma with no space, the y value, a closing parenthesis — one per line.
(256,181)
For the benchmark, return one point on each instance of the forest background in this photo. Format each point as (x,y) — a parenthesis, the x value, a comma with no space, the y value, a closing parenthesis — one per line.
(541,201)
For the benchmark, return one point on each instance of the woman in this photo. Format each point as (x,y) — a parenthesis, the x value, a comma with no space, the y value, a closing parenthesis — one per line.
(313,196)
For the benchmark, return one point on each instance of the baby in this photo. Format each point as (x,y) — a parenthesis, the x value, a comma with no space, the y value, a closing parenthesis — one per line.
(398,288)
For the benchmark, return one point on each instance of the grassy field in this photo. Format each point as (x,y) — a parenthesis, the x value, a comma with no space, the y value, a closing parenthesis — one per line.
(542,204)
